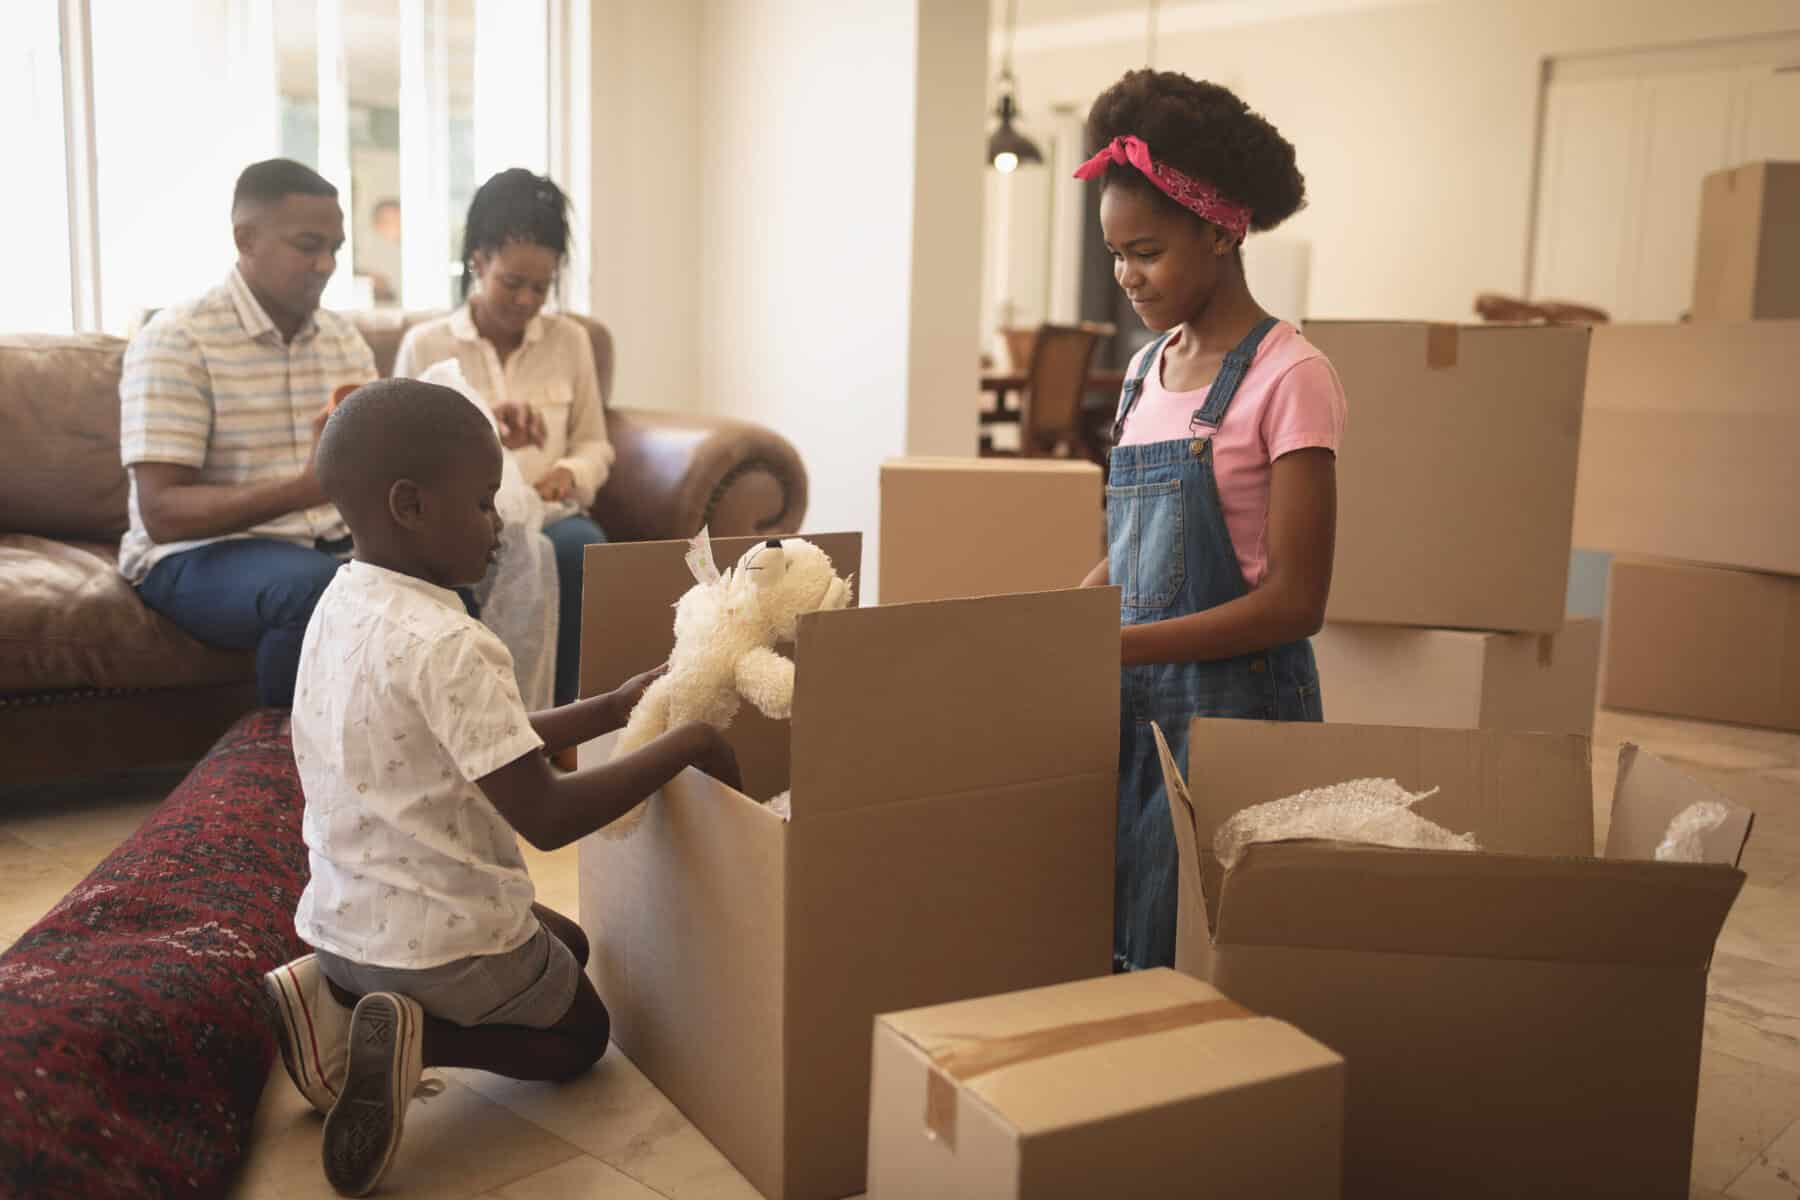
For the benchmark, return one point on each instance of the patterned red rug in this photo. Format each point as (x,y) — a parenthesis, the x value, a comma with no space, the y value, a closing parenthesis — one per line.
(133,1041)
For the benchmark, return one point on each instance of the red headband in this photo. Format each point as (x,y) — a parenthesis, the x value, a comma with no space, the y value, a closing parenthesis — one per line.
(1195,195)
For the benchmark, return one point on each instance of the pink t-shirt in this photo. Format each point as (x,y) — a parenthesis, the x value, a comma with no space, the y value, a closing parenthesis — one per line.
(1290,400)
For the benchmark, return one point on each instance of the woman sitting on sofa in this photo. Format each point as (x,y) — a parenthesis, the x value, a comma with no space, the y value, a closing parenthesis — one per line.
(515,240)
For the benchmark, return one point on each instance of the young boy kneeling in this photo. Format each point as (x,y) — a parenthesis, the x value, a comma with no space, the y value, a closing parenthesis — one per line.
(418,762)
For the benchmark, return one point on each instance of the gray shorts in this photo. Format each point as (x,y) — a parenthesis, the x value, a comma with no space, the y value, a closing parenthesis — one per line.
(532,986)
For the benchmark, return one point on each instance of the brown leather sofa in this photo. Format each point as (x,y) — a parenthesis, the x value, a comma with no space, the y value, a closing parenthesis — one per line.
(92,680)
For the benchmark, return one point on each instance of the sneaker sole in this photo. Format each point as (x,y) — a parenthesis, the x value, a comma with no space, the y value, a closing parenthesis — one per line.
(364,1127)
(295,1034)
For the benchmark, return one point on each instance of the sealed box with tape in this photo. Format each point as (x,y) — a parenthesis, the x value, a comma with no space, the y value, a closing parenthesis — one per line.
(953,795)
(1150,1084)
(1456,479)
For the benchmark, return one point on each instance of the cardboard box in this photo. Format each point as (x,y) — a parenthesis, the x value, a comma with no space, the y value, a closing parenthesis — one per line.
(1701,642)
(1689,445)
(1747,266)
(1520,1021)
(954,794)
(1456,480)
(1458,679)
(1146,1085)
(953,527)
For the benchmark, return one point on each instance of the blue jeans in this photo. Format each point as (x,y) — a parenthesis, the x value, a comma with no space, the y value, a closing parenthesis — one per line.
(245,594)
(570,537)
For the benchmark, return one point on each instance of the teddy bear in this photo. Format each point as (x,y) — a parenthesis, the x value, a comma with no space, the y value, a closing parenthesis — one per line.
(726,629)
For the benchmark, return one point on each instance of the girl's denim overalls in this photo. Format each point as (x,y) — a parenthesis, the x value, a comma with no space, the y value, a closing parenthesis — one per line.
(1171,555)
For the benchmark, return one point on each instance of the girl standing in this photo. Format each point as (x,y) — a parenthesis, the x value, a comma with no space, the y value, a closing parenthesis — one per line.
(1222,496)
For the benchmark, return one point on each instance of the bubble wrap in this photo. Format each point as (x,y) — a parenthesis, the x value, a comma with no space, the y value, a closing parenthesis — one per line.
(1681,842)
(1374,812)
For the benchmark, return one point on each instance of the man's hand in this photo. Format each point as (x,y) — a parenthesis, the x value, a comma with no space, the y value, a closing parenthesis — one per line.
(559,484)
(520,425)
(311,493)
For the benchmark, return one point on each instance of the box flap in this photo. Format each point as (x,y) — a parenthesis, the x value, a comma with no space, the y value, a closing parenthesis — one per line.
(628,599)
(1328,896)
(913,700)
(1193,914)
(1649,794)
(1518,793)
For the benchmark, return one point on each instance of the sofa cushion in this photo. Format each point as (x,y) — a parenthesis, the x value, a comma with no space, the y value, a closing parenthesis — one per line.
(134,1042)
(60,474)
(68,619)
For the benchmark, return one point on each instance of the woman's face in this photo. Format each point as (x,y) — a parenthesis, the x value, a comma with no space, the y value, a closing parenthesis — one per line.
(1167,261)
(512,284)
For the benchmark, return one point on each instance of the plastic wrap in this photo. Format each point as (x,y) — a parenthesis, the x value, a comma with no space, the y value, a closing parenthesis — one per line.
(1683,841)
(1373,812)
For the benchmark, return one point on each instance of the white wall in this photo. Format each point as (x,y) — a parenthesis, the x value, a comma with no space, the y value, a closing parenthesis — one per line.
(642,209)
(839,234)
(1416,125)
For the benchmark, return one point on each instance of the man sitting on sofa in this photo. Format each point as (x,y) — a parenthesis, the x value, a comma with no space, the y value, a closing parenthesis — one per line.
(221,404)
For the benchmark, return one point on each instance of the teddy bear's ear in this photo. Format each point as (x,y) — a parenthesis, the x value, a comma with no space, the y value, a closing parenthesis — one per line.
(767,564)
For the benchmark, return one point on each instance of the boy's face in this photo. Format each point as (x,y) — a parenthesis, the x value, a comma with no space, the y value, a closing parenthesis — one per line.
(458,537)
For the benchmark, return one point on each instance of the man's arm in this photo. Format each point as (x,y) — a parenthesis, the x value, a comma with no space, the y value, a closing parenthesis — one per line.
(165,426)
(550,811)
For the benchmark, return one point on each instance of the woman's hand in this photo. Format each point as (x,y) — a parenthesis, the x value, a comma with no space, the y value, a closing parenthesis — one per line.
(520,425)
(559,484)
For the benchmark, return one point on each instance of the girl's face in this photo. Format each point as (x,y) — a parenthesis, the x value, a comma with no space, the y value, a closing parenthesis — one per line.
(1167,261)
(512,284)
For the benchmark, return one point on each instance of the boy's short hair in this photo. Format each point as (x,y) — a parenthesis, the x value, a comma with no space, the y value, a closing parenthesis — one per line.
(396,429)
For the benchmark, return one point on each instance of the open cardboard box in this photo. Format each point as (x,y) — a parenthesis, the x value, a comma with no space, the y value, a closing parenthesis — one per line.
(953,770)
(1522,1020)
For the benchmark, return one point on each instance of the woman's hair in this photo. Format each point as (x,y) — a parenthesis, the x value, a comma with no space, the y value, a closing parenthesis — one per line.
(1205,131)
(515,206)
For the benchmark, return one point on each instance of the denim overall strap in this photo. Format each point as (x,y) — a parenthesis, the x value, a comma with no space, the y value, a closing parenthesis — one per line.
(1170,553)
(1231,375)
(1134,387)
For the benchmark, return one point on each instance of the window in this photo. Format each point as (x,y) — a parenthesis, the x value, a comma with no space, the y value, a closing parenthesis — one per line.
(405,105)
(38,201)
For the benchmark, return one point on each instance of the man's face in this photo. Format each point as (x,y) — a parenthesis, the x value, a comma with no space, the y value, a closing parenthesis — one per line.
(287,251)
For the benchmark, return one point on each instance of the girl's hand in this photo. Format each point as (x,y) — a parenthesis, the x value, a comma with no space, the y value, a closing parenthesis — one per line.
(632,690)
(520,425)
(559,484)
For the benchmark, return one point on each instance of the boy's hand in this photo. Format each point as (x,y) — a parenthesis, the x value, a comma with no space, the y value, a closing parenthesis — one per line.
(716,757)
(628,694)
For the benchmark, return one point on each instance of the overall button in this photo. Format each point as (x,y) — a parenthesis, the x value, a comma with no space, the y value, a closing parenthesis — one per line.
(1260,665)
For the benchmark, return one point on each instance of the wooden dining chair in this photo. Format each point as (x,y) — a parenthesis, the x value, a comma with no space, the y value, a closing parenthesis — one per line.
(1051,424)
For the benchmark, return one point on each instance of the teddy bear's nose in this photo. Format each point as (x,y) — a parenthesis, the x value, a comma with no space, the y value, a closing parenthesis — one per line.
(773,543)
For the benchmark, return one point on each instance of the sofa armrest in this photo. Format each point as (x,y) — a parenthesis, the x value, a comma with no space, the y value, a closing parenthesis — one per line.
(677,472)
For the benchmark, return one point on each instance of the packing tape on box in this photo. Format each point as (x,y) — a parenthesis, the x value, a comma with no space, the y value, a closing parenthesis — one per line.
(1440,346)
(965,1058)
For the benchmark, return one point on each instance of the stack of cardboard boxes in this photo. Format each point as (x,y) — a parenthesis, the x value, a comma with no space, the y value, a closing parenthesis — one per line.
(1688,472)
(1456,488)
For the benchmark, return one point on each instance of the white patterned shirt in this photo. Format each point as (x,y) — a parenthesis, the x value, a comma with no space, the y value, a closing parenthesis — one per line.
(212,385)
(402,702)
(552,371)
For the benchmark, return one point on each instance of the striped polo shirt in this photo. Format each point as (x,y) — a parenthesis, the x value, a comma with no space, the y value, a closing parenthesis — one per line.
(211,385)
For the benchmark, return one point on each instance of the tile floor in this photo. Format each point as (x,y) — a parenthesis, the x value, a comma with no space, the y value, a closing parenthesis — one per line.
(612,1135)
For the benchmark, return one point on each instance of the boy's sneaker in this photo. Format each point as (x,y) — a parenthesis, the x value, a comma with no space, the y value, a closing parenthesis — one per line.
(312,1029)
(386,1058)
